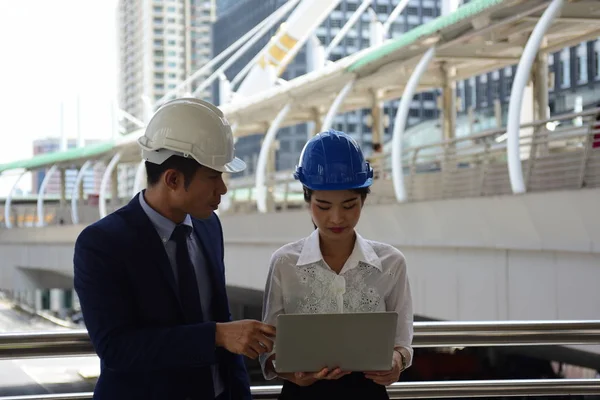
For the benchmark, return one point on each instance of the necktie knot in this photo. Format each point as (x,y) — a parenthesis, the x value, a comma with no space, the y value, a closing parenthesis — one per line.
(181,233)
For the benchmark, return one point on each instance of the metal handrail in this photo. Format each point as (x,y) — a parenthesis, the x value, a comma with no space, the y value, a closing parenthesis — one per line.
(426,334)
(424,390)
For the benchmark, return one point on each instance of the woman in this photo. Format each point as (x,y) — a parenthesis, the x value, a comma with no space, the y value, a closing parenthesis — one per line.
(305,276)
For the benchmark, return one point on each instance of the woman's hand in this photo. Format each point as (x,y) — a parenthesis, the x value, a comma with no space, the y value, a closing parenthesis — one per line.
(386,378)
(308,378)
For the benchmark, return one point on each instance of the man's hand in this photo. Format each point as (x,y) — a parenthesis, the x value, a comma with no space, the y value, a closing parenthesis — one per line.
(386,378)
(248,337)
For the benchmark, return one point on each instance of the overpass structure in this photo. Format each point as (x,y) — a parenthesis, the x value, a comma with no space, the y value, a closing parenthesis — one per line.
(507,216)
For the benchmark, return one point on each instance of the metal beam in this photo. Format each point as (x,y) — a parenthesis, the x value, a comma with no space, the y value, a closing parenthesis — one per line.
(516,97)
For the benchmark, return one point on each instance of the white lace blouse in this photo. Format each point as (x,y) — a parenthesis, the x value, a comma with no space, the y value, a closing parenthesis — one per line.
(374,278)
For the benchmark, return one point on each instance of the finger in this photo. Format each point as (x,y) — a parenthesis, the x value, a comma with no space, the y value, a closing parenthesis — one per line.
(335,374)
(256,347)
(269,330)
(265,342)
(378,373)
(321,374)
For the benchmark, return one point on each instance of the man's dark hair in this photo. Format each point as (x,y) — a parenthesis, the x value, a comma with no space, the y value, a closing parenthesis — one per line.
(187,166)
(362,191)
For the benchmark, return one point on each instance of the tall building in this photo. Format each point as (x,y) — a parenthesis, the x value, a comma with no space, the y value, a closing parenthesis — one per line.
(235,18)
(161,43)
(91,177)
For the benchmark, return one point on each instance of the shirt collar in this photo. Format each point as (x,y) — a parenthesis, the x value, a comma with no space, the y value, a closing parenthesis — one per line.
(362,252)
(163,225)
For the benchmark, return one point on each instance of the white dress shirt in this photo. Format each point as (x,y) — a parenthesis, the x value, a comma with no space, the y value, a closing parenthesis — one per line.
(374,278)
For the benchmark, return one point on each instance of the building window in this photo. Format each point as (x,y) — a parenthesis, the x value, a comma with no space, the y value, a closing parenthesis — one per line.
(565,68)
(582,59)
(597,58)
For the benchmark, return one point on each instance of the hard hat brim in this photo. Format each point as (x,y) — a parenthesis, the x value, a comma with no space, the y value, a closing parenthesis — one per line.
(232,167)
(160,156)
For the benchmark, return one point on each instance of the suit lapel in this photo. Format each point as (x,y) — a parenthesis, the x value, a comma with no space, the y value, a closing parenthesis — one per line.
(154,249)
(217,282)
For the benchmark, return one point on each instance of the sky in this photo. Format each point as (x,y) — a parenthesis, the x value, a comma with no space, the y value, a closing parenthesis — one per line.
(54,52)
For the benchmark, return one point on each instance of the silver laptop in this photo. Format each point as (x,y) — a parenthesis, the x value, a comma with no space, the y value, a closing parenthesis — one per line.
(350,341)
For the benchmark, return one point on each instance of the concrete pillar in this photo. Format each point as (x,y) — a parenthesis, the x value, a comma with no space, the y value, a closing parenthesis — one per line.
(38,299)
(540,85)
(448,102)
(57,299)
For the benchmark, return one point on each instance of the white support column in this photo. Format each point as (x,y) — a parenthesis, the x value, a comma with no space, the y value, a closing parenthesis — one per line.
(140,178)
(400,124)
(7,203)
(513,150)
(263,157)
(104,183)
(75,192)
(42,191)
(332,112)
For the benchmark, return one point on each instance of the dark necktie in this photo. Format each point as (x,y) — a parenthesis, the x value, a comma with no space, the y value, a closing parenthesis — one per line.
(188,285)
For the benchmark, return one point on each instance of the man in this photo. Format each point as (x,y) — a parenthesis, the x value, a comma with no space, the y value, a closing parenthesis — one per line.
(150,276)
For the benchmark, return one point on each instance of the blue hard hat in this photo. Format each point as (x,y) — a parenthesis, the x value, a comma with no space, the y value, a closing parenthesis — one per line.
(332,160)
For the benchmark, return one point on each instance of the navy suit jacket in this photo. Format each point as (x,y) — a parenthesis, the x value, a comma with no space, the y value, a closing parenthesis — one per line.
(131,309)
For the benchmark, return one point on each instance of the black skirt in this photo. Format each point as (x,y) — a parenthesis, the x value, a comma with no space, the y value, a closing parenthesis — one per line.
(352,386)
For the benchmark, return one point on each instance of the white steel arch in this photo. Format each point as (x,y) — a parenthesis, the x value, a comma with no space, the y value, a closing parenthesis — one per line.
(336,105)
(261,165)
(41,193)
(400,124)
(513,148)
(8,201)
(104,183)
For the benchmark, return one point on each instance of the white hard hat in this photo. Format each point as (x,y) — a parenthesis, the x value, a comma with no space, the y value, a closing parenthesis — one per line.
(194,128)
